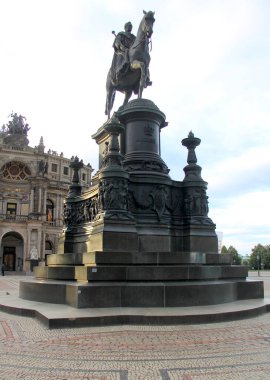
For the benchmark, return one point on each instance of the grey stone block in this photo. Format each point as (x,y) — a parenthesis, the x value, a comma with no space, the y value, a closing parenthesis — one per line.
(148,243)
(199,294)
(223,258)
(55,273)
(181,258)
(142,295)
(234,271)
(93,295)
(200,272)
(250,289)
(156,273)
(45,292)
(104,273)
(140,258)
(64,259)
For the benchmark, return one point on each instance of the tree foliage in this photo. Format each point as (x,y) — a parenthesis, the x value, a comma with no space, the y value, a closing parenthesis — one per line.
(260,256)
(224,249)
(236,258)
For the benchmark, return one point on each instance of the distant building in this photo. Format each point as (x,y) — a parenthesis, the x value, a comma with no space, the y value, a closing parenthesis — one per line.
(220,237)
(33,186)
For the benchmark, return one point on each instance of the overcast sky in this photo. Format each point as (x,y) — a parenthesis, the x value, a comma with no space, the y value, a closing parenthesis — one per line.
(210,69)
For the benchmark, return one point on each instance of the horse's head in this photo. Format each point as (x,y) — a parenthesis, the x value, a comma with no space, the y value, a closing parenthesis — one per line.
(147,23)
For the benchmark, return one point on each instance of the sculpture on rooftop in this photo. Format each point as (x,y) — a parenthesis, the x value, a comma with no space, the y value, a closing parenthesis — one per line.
(16,126)
(129,71)
(14,133)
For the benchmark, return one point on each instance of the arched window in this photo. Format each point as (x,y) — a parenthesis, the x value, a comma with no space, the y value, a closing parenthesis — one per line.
(15,170)
(49,211)
(48,245)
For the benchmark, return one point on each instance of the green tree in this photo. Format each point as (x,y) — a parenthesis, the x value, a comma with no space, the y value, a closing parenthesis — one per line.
(266,258)
(236,258)
(260,256)
(224,249)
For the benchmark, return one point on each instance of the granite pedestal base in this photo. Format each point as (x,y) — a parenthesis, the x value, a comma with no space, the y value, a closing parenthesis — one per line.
(140,294)
(140,279)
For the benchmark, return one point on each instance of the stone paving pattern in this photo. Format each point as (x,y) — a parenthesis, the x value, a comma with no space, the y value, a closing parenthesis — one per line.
(230,350)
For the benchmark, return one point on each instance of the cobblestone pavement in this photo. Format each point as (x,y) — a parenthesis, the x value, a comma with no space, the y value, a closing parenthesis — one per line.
(230,350)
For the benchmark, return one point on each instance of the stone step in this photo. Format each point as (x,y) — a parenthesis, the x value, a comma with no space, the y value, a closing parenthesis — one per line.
(55,272)
(141,273)
(64,259)
(158,273)
(138,258)
(141,294)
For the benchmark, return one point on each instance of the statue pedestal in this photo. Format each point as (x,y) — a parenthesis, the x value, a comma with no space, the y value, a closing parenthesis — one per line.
(138,238)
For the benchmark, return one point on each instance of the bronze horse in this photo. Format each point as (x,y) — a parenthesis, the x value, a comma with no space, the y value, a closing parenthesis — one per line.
(135,79)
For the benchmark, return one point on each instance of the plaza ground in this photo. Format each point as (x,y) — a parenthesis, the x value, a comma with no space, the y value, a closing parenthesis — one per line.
(226,350)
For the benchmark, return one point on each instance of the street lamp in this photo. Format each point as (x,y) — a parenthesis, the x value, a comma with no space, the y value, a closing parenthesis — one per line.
(258,260)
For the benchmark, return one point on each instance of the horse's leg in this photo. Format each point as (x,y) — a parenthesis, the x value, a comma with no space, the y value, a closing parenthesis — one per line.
(142,80)
(128,94)
(139,65)
(148,81)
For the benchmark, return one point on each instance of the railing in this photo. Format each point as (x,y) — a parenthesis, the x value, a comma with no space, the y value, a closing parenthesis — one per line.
(22,218)
(55,223)
(15,218)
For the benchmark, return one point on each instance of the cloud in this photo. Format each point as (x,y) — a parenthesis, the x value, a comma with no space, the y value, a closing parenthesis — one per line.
(210,72)
(248,171)
(244,220)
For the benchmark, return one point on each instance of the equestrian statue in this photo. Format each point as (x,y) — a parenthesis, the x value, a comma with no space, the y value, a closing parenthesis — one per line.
(129,71)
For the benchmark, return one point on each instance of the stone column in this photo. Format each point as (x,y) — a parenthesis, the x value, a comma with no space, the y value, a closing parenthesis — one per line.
(45,202)
(32,201)
(40,243)
(56,207)
(59,209)
(28,245)
(39,199)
